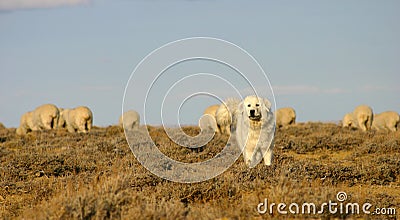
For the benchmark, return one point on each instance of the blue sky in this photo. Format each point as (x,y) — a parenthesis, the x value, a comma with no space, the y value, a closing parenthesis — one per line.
(322,57)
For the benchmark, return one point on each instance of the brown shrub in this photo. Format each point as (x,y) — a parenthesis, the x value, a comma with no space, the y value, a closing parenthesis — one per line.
(56,174)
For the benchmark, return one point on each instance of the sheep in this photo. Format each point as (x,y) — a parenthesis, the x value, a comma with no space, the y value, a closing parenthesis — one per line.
(26,123)
(79,119)
(386,121)
(208,121)
(285,117)
(130,120)
(361,117)
(44,117)
(347,121)
(226,115)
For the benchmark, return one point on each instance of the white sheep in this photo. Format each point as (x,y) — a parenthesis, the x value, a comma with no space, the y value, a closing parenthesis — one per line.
(361,117)
(347,121)
(226,115)
(285,117)
(25,124)
(44,117)
(208,121)
(129,120)
(79,119)
(386,121)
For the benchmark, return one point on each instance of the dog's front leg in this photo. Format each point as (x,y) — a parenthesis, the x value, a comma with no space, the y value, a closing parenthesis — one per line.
(268,157)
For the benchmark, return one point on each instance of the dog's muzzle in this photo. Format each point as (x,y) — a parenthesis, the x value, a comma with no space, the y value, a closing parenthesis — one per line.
(253,115)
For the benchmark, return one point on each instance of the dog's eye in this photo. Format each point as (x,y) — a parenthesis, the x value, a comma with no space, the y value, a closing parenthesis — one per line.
(257,105)
(249,105)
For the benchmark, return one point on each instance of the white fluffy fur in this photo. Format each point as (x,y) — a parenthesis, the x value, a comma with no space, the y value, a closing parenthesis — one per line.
(44,117)
(386,121)
(361,118)
(347,121)
(255,130)
(225,115)
(79,119)
(285,117)
(130,120)
(207,120)
(26,124)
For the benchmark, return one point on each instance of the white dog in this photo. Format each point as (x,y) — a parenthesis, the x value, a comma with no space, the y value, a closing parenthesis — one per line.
(255,130)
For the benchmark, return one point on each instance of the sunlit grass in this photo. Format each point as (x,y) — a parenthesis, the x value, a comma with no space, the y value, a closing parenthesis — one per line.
(56,174)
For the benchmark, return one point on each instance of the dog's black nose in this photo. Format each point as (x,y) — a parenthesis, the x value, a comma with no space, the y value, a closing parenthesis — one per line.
(252,112)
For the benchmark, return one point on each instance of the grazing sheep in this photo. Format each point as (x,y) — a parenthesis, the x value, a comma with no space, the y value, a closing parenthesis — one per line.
(361,118)
(25,124)
(130,120)
(226,115)
(255,130)
(44,117)
(285,117)
(79,119)
(208,121)
(386,121)
(347,121)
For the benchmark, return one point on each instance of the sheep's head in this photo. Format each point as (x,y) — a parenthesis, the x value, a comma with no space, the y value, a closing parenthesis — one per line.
(347,120)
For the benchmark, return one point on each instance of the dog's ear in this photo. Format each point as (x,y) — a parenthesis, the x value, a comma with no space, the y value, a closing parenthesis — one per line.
(240,108)
(267,104)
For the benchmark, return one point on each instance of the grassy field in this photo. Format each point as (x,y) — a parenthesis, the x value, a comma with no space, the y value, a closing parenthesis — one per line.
(58,175)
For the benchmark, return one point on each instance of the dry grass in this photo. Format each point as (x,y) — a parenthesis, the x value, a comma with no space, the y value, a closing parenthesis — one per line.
(59,175)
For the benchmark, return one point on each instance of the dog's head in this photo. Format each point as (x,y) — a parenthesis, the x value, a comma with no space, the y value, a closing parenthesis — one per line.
(254,107)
